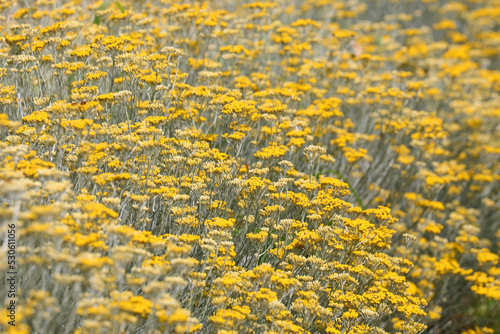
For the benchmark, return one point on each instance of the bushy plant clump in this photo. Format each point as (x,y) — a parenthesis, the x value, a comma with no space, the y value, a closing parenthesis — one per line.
(311,166)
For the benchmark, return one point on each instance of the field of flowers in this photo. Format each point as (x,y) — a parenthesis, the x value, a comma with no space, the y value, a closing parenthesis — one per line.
(306,166)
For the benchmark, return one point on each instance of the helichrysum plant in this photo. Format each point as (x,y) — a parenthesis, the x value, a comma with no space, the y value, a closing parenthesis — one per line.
(223,167)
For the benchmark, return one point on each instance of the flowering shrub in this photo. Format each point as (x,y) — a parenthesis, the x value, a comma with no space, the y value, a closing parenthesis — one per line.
(251,167)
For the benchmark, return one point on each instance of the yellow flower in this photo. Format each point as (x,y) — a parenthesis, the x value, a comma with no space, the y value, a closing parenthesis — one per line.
(136,305)
(271,152)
